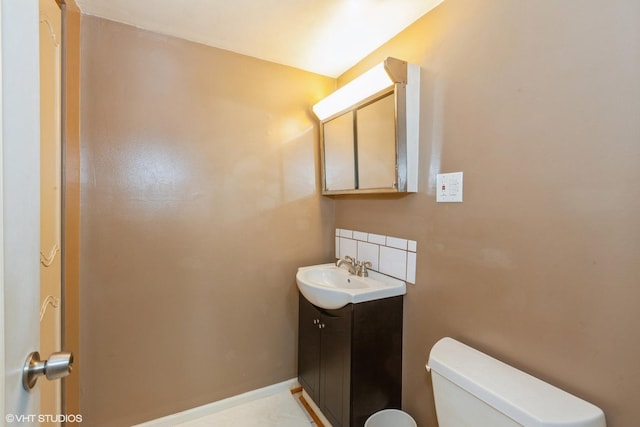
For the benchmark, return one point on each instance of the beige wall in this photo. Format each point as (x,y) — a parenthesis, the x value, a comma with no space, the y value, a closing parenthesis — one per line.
(199,201)
(538,103)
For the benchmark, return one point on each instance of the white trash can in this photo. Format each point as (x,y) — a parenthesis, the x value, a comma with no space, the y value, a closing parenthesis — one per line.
(390,418)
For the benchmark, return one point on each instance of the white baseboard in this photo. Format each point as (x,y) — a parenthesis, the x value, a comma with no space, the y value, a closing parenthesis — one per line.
(220,405)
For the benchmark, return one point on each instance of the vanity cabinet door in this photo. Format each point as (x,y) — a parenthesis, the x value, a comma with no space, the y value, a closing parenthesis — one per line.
(335,365)
(376,374)
(309,348)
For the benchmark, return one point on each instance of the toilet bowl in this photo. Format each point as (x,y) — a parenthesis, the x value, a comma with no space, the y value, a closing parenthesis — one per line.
(473,389)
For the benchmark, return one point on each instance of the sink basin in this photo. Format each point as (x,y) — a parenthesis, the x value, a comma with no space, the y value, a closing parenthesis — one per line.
(328,286)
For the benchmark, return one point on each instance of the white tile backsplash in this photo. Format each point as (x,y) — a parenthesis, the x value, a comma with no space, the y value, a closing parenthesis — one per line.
(369,252)
(394,242)
(348,247)
(359,235)
(411,267)
(346,233)
(393,262)
(377,239)
(392,256)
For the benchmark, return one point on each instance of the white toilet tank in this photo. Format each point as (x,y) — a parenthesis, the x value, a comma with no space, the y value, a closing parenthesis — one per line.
(472,389)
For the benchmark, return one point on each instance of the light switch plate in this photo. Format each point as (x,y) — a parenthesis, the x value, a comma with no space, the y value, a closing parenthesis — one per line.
(449,187)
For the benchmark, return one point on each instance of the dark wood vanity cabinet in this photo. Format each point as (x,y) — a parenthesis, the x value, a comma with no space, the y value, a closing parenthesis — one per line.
(350,359)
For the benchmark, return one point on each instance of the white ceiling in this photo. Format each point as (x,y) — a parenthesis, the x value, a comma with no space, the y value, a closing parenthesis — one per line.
(323,36)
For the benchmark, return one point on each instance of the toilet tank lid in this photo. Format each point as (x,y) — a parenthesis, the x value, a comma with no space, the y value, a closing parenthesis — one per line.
(525,398)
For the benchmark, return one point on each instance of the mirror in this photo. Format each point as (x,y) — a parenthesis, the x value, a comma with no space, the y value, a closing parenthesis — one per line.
(376,139)
(370,145)
(339,154)
(366,159)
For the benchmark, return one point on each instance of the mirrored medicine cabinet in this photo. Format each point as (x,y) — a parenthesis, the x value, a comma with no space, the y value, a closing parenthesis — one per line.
(369,132)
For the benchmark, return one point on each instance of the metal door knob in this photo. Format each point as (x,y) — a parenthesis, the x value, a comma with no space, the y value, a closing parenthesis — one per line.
(57,366)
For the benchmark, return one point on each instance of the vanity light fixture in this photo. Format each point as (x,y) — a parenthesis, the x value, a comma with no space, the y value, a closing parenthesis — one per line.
(377,79)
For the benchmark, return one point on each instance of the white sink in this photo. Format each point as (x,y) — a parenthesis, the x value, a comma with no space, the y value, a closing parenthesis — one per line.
(328,286)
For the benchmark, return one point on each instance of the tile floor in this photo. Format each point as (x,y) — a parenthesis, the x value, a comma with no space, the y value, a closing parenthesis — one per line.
(279,410)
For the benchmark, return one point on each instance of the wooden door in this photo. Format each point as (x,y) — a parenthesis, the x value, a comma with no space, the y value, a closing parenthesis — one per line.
(50,198)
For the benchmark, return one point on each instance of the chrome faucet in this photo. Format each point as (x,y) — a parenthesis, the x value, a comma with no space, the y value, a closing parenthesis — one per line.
(361,268)
(350,262)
